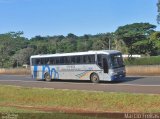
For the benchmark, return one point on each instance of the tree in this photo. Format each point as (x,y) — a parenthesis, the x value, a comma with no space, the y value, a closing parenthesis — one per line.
(103,42)
(67,45)
(70,43)
(133,33)
(10,43)
(155,39)
(71,36)
(86,37)
(84,43)
(144,47)
(97,45)
(22,57)
(37,38)
(120,45)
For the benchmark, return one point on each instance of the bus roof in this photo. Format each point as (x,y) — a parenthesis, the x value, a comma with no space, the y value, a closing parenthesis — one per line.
(76,53)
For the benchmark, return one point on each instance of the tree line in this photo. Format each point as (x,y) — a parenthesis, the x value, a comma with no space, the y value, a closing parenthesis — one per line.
(136,38)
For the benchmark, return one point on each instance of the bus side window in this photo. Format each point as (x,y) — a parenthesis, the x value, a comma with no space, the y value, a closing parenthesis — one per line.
(47,61)
(86,59)
(91,59)
(66,60)
(81,60)
(33,62)
(73,60)
(38,61)
(78,59)
(57,60)
(43,62)
(52,61)
(61,60)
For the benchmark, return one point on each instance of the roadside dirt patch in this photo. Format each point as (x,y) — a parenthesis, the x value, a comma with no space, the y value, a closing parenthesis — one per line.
(148,70)
(16,71)
(67,110)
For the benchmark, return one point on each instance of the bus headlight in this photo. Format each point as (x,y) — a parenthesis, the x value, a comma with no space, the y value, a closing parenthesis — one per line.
(114,73)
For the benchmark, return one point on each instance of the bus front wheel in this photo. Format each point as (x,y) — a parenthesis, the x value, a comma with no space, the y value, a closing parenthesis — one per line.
(94,78)
(47,77)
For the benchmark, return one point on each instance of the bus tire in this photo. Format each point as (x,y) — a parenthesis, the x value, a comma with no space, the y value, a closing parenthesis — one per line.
(47,77)
(94,78)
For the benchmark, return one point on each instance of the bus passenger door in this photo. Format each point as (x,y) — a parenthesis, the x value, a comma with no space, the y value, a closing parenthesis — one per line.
(105,68)
(105,65)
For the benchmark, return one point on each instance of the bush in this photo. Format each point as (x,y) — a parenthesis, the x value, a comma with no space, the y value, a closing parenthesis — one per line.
(154,60)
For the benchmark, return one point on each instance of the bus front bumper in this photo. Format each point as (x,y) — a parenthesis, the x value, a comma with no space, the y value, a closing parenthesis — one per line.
(120,77)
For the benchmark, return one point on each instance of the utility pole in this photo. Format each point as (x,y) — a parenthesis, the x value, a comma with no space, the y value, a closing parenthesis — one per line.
(109,44)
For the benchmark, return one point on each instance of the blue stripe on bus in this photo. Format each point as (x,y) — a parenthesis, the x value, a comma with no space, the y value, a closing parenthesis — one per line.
(56,75)
(50,71)
(35,71)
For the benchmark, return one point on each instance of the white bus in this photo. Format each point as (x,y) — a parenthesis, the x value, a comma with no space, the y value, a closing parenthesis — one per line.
(104,65)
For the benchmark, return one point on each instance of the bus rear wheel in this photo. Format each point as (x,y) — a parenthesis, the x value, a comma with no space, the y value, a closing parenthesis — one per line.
(47,77)
(94,78)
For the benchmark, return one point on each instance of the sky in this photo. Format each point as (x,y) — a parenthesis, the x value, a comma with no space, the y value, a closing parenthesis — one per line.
(60,17)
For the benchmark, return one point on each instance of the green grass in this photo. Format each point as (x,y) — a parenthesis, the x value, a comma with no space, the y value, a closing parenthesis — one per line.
(154,60)
(30,114)
(55,116)
(33,114)
(17,110)
(79,100)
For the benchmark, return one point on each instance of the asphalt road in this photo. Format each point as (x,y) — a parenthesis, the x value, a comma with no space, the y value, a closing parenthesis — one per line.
(133,84)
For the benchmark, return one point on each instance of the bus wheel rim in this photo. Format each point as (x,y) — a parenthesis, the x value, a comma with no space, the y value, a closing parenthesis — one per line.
(95,78)
(47,77)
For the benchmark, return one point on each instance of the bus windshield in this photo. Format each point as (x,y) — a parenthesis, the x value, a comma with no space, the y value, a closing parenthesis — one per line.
(116,60)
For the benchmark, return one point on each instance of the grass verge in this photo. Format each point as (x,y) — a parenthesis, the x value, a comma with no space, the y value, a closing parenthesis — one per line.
(10,109)
(15,113)
(76,101)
